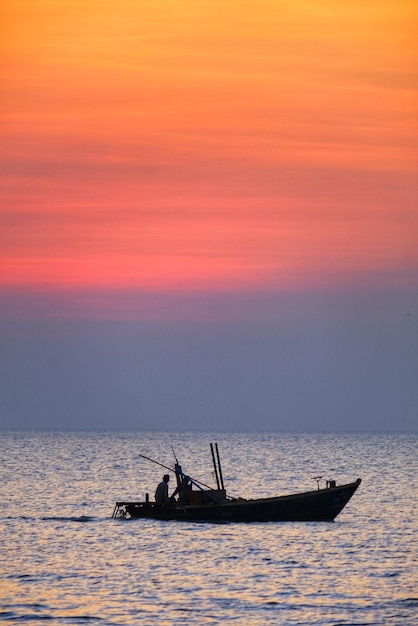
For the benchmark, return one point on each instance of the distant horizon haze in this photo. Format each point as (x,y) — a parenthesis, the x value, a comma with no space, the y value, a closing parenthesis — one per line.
(295,362)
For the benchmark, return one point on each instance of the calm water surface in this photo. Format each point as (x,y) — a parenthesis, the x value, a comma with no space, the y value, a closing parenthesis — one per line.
(63,559)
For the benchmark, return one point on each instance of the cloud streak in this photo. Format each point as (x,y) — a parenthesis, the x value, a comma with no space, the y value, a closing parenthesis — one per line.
(203,146)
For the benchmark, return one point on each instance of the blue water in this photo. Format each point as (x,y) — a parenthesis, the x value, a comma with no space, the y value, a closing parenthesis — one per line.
(65,561)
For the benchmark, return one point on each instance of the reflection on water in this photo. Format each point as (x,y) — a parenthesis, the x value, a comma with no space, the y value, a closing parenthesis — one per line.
(65,559)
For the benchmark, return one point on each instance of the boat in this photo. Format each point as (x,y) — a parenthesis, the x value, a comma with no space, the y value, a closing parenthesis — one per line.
(206,504)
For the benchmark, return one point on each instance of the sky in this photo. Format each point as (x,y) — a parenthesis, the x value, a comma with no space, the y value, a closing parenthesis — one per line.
(208,214)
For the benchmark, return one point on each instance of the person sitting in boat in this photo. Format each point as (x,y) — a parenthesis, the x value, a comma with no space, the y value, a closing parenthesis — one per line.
(161,493)
(183,490)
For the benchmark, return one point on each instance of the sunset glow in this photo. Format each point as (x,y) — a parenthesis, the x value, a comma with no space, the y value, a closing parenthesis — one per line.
(178,145)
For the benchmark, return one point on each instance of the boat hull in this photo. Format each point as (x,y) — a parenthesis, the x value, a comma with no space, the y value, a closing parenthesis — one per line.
(318,505)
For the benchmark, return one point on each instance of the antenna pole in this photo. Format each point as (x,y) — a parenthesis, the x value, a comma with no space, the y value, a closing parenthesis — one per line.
(175,455)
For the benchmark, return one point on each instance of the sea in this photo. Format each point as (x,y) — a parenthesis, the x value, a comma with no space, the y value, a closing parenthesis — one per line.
(65,560)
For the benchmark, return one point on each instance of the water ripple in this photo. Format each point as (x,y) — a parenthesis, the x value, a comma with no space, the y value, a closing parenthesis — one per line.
(64,560)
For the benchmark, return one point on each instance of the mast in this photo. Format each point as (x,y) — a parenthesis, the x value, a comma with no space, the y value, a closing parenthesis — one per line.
(214,464)
(219,467)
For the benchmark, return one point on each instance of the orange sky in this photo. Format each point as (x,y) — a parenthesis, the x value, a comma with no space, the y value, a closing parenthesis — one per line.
(171,145)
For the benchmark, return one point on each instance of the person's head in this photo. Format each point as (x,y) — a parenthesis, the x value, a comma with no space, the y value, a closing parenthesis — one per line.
(166,478)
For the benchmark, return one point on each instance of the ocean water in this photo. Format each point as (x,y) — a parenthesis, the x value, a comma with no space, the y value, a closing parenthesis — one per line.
(64,560)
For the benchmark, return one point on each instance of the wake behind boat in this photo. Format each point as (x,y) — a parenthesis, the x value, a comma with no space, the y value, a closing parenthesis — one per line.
(205,504)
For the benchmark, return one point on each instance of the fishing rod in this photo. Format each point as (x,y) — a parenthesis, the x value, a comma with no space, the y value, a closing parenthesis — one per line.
(170,469)
(198,483)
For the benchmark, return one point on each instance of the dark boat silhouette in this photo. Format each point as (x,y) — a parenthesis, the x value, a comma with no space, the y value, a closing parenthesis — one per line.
(214,505)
